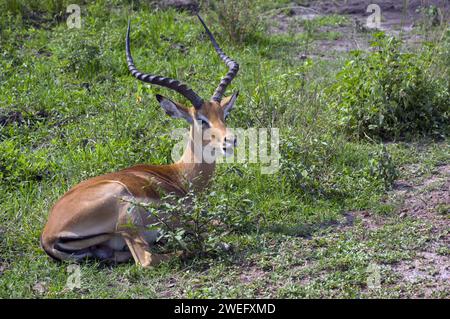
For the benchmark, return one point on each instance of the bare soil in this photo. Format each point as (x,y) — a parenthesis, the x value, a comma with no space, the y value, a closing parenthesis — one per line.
(428,201)
(396,19)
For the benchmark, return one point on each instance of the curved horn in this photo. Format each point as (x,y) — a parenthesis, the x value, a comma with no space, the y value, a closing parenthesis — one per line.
(173,84)
(232,65)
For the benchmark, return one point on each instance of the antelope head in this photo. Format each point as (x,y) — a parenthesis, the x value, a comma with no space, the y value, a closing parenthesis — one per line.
(204,116)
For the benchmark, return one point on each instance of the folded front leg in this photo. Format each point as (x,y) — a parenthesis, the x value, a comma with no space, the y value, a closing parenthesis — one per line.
(140,250)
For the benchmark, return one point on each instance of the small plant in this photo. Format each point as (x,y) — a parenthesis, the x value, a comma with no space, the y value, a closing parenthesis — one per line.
(431,16)
(302,162)
(382,167)
(389,94)
(186,223)
(196,223)
(443,209)
(238,18)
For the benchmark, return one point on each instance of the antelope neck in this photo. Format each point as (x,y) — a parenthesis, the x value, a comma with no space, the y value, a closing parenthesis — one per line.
(195,171)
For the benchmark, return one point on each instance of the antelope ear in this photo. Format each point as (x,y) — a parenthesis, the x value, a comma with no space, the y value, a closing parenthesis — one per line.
(173,109)
(228,103)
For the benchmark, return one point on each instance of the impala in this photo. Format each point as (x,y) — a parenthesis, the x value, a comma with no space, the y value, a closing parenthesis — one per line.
(93,218)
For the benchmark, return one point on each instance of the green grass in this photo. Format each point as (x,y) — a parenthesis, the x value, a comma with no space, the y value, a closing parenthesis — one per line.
(82,114)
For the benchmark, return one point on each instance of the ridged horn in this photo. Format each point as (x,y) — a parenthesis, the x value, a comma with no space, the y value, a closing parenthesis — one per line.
(170,83)
(233,66)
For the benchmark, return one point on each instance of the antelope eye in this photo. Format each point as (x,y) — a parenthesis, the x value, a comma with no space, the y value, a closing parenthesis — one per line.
(203,122)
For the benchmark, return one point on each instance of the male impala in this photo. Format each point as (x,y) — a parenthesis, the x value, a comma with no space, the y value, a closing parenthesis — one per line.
(93,218)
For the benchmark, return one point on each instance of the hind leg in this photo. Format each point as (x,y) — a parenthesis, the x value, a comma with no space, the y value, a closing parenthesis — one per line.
(107,253)
(122,256)
(102,252)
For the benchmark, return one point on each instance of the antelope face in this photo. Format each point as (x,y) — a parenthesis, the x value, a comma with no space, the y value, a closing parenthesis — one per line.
(212,119)
(204,116)
(207,121)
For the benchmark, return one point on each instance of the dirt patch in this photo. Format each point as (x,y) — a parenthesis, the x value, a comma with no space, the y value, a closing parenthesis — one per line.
(11,117)
(40,288)
(360,6)
(188,5)
(395,19)
(428,201)
(429,270)
(394,15)
(251,274)
(368,220)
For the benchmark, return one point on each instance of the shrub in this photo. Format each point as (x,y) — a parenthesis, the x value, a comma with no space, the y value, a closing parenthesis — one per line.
(431,16)
(383,167)
(198,223)
(238,18)
(389,94)
(329,167)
